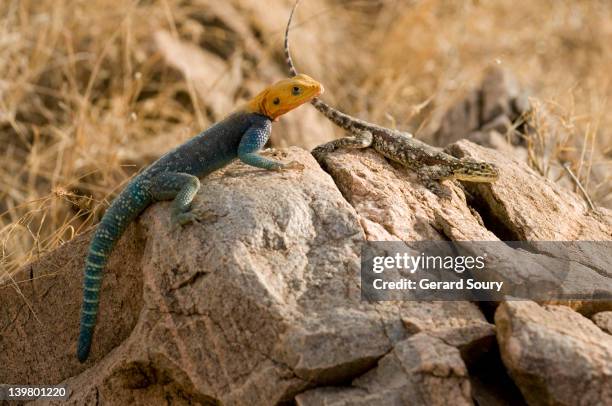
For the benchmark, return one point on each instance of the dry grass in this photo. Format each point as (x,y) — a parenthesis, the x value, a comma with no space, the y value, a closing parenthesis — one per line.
(79,83)
(84,91)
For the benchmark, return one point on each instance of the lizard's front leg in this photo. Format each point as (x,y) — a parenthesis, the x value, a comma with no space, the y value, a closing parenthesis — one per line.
(358,139)
(431,176)
(179,187)
(252,141)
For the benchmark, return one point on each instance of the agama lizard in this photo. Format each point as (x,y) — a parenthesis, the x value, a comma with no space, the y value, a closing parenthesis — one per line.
(174,177)
(431,164)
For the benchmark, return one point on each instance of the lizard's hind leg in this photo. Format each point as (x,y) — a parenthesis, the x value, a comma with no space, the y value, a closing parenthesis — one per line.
(181,188)
(359,139)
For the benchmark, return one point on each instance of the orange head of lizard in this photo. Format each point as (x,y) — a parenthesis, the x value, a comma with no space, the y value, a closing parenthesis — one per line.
(284,96)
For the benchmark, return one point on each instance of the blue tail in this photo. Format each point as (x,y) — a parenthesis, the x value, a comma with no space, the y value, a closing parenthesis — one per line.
(133,200)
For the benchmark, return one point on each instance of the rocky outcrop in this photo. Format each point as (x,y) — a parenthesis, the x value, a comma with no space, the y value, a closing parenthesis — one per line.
(555,355)
(519,206)
(259,302)
(221,82)
(255,304)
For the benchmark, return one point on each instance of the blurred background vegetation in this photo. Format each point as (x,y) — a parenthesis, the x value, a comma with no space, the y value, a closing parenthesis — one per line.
(92,90)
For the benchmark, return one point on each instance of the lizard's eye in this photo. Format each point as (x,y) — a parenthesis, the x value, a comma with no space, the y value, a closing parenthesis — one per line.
(276,101)
(296,90)
(483,167)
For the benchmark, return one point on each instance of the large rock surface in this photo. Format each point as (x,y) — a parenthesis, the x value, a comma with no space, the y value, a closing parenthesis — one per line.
(256,303)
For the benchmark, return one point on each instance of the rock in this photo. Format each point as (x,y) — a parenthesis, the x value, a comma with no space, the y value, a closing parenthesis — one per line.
(523,206)
(214,80)
(40,308)
(603,320)
(459,120)
(255,304)
(554,355)
(499,90)
(496,104)
(499,105)
(460,324)
(260,303)
(220,68)
(495,140)
(335,346)
(419,370)
(223,28)
(500,124)
(528,206)
(393,205)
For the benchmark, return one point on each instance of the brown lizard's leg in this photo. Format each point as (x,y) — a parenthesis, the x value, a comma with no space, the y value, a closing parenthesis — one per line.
(431,176)
(361,139)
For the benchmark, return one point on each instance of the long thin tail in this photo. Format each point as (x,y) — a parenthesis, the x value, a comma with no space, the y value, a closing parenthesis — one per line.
(114,222)
(339,118)
(292,70)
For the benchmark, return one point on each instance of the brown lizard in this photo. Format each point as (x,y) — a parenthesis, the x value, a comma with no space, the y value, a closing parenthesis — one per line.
(431,164)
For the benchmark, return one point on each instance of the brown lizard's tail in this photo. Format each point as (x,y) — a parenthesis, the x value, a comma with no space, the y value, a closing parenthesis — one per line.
(336,116)
(292,70)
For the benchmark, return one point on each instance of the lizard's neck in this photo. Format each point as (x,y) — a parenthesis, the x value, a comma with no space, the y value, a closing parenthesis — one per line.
(257,105)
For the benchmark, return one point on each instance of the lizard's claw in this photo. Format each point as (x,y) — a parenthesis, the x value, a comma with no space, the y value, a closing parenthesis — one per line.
(442,192)
(182,219)
(275,152)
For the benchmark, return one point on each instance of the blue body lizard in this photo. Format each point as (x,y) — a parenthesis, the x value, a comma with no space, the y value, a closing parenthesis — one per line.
(174,177)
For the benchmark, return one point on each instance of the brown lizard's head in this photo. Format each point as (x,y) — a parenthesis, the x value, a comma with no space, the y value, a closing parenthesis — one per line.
(284,96)
(475,171)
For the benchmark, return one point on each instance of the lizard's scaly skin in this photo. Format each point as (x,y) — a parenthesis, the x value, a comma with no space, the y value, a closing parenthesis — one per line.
(174,176)
(431,164)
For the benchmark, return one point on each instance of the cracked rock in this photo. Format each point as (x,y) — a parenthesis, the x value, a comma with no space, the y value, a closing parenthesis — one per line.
(421,370)
(555,355)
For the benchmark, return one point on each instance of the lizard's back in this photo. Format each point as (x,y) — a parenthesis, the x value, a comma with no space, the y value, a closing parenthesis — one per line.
(207,151)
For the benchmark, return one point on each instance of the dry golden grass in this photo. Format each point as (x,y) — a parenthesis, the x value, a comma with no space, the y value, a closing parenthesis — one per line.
(79,82)
(83,89)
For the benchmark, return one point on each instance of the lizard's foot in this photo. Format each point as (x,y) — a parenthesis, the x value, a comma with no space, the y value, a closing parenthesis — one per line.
(439,190)
(293,165)
(276,153)
(322,150)
(182,219)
